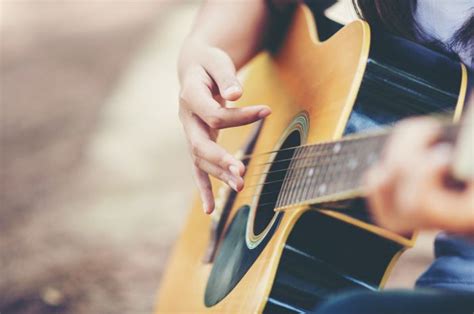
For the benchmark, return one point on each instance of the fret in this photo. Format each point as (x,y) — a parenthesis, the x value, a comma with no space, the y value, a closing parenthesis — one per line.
(329,168)
(355,166)
(287,182)
(300,178)
(351,167)
(348,164)
(281,193)
(305,169)
(283,162)
(320,185)
(292,176)
(352,173)
(333,171)
(328,164)
(297,175)
(364,162)
(312,172)
(339,173)
(343,176)
(323,187)
(317,150)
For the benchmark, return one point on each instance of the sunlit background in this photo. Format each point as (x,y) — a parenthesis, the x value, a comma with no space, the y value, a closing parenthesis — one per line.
(95,178)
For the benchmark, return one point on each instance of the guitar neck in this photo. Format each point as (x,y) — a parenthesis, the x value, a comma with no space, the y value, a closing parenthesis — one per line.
(317,172)
(334,171)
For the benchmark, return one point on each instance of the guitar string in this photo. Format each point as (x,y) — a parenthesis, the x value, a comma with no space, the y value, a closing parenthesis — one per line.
(249,196)
(385,129)
(316,113)
(301,176)
(303,188)
(290,202)
(329,142)
(322,150)
(295,168)
(318,154)
(287,159)
(311,184)
(318,147)
(274,192)
(313,146)
(307,156)
(321,153)
(299,167)
(309,192)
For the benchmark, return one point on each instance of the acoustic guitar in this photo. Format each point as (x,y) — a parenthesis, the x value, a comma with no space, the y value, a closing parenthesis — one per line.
(299,231)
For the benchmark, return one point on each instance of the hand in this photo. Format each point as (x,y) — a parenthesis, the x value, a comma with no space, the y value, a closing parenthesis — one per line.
(208,78)
(407,189)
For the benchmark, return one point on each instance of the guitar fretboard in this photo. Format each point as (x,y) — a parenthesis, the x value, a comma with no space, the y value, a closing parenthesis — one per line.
(320,170)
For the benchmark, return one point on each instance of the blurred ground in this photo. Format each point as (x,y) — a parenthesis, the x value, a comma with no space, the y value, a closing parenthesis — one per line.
(94,172)
(95,180)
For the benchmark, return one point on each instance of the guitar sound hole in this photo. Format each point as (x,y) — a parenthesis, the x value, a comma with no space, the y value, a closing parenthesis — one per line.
(273,182)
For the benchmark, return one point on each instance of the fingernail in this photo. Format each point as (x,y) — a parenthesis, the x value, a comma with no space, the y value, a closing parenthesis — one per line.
(264,112)
(234,170)
(233,185)
(206,208)
(234,89)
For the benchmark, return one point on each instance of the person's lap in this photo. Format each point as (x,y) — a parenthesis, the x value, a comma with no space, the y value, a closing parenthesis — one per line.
(398,302)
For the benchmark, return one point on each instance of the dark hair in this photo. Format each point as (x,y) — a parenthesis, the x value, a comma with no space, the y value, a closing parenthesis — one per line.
(398,17)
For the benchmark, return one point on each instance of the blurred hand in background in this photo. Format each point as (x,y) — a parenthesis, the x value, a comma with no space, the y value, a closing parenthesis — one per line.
(407,190)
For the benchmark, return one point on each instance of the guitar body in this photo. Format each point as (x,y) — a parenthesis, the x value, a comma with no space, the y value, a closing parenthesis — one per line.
(262,260)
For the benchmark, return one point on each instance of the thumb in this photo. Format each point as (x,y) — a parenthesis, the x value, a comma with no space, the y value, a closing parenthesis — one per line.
(222,70)
(440,160)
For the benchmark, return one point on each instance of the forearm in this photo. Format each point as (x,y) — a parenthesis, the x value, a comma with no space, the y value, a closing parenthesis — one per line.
(237,27)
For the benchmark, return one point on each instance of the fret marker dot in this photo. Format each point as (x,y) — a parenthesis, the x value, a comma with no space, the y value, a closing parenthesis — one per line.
(352,164)
(337,148)
(310,172)
(322,188)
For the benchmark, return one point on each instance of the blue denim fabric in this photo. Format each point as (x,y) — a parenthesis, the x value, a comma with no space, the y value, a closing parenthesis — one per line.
(453,267)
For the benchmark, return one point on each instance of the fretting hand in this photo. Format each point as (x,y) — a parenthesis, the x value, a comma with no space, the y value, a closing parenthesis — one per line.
(407,189)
